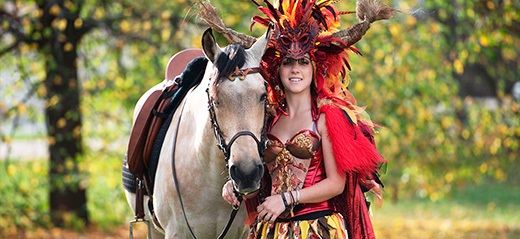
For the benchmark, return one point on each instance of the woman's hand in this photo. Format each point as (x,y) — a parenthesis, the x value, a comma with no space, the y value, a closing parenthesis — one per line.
(271,208)
(229,195)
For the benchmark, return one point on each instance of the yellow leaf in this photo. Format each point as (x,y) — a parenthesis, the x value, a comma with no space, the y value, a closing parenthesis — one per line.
(11,170)
(78,22)
(127,12)
(147,25)
(25,49)
(495,146)
(52,101)
(484,40)
(62,122)
(470,13)
(483,168)
(99,13)
(165,34)
(411,20)
(379,54)
(500,175)
(34,182)
(22,108)
(449,177)
(69,4)
(166,14)
(62,24)
(465,134)
(55,10)
(125,27)
(69,164)
(490,5)
(62,38)
(359,86)
(36,167)
(58,80)
(394,29)
(459,68)
(36,13)
(76,132)
(68,46)
(434,28)
(102,84)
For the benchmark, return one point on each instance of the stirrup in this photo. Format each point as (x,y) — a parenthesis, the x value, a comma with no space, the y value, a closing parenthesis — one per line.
(136,220)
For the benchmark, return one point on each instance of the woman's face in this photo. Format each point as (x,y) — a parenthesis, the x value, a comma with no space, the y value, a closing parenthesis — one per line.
(296,75)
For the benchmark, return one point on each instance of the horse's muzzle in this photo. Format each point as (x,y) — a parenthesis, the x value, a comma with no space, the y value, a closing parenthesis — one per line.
(246,179)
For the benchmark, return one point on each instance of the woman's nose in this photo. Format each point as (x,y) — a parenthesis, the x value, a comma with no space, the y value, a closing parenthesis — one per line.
(295,68)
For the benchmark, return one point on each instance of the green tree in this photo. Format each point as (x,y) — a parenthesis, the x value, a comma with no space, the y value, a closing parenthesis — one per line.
(55,29)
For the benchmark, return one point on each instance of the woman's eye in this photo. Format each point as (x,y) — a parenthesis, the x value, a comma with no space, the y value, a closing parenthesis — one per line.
(304,61)
(287,61)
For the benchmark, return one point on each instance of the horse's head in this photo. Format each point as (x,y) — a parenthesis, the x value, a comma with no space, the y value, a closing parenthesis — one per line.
(237,97)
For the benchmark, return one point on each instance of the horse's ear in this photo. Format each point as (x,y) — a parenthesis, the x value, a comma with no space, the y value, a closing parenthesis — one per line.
(210,46)
(257,50)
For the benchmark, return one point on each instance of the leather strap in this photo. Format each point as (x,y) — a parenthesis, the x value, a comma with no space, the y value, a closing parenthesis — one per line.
(139,198)
(176,181)
(231,218)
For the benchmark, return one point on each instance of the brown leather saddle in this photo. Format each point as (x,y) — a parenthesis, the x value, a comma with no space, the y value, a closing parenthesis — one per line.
(152,114)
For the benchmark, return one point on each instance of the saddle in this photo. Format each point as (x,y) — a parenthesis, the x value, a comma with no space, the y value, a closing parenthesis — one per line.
(152,121)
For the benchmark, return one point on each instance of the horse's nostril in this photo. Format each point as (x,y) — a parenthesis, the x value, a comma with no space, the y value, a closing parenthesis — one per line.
(233,172)
(259,171)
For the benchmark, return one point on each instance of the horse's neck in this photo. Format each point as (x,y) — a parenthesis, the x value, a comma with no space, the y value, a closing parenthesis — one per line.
(201,131)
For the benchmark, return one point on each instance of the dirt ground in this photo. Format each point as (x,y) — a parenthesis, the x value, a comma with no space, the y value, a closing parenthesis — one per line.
(92,232)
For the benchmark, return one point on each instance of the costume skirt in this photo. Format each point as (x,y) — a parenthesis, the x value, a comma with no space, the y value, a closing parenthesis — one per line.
(330,226)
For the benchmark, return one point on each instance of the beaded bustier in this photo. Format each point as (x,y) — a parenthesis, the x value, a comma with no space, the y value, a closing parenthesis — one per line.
(288,163)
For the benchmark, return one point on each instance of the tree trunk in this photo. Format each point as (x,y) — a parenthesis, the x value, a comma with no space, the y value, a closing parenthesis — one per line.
(63,120)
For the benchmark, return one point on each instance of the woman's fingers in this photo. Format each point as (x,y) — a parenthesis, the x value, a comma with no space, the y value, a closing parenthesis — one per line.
(270,209)
(228,195)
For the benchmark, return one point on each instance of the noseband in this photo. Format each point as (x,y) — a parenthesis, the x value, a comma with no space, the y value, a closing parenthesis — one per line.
(221,142)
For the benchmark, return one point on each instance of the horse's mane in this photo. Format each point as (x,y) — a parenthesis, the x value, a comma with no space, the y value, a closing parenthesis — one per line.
(232,57)
(227,62)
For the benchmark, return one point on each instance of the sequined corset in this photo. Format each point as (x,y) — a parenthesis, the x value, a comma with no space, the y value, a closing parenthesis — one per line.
(288,163)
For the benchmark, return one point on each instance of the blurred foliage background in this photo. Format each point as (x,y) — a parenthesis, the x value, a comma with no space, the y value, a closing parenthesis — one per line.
(442,78)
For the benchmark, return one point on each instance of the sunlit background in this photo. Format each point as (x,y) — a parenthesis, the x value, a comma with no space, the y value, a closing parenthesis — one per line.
(442,78)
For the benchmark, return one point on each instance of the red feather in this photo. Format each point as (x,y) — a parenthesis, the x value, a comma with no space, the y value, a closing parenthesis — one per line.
(353,154)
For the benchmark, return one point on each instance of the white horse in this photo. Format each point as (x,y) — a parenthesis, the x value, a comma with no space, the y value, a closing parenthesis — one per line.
(238,103)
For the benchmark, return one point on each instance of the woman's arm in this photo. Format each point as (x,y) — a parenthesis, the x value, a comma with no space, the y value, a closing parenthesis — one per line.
(334,184)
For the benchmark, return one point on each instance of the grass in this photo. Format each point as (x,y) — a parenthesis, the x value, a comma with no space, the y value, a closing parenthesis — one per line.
(475,211)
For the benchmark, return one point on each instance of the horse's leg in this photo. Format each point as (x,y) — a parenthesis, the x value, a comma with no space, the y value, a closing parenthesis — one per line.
(130,198)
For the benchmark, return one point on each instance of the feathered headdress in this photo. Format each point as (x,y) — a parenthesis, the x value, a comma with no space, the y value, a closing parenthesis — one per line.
(309,26)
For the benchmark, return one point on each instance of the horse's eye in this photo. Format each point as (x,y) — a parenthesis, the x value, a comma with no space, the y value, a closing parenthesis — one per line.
(263,98)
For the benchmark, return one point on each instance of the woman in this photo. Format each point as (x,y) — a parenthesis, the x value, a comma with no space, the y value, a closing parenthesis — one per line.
(320,156)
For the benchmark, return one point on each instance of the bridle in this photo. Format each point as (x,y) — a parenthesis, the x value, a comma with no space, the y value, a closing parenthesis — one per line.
(221,142)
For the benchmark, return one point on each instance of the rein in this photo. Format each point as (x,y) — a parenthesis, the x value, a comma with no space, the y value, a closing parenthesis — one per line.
(221,143)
